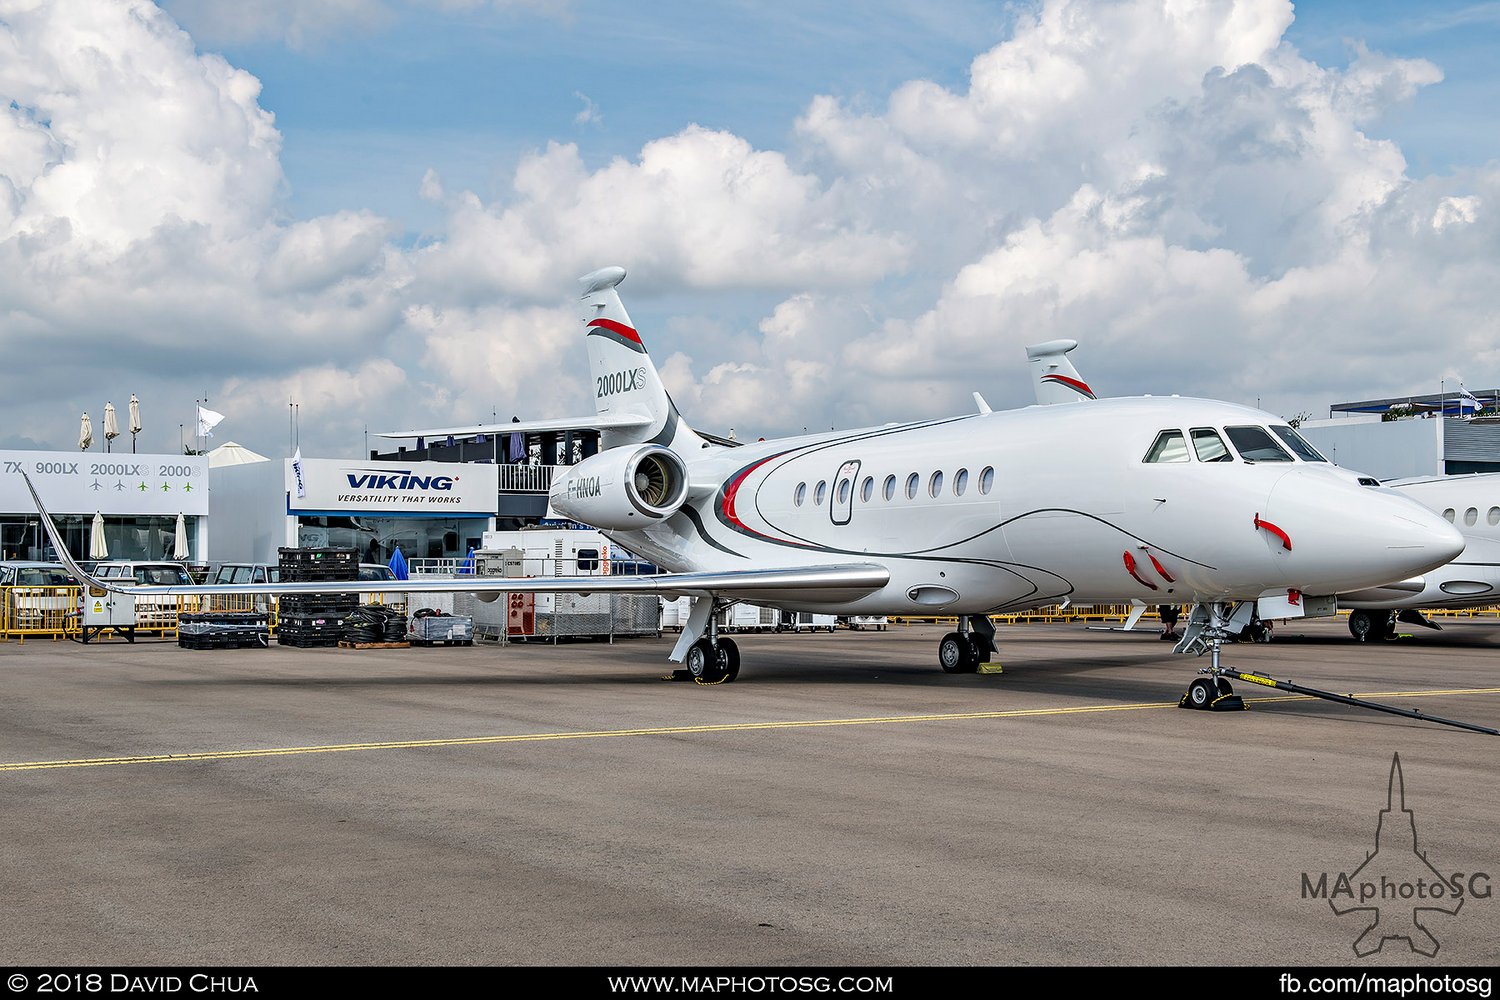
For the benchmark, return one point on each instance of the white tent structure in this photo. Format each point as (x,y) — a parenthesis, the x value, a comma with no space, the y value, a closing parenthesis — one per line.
(230,453)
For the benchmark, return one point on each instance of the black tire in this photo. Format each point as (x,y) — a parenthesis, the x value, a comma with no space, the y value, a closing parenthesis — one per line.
(729,658)
(1387,624)
(957,654)
(704,662)
(1224,687)
(1201,693)
(1362,625)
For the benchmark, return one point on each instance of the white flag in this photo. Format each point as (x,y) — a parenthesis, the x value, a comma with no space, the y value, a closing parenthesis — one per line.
(207,421)
(1467,399)
(297,473)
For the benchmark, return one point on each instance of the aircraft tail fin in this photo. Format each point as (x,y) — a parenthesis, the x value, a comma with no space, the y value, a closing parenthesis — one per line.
(1053,376)
(625,381)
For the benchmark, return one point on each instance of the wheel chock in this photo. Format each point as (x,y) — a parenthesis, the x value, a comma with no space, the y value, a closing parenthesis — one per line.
(990,668)
(1223,703)
(679,675)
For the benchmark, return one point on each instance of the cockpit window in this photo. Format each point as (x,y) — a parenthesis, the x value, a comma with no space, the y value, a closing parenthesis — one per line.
(1170,446)
(1297,443)
(1209,446)
(1255,444)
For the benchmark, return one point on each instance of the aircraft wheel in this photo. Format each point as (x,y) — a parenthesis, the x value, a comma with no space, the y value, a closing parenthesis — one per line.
(1387,625)
(729,657)
(1224,687)
(704,662)
(1201,693)
(957,655)
(1361,625)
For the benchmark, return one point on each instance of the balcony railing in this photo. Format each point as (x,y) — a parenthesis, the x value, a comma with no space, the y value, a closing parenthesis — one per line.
(527,478)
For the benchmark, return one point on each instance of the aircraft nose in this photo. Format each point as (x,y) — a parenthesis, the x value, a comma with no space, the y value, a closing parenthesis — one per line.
(1346,537)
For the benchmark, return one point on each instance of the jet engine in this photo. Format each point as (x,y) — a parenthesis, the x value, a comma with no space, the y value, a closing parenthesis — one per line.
(622,489)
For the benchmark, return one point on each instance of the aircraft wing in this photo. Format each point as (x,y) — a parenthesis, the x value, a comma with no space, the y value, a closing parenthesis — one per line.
(840,581)
(596,421)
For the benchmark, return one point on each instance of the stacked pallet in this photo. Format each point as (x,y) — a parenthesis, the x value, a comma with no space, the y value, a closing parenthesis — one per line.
(429,628)
(222,630)
(309,620)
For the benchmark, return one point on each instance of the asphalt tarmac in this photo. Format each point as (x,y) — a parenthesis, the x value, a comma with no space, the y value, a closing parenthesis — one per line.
(843,803)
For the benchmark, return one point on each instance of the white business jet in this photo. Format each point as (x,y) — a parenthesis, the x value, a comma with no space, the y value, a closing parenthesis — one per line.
(1472,504)
(989,512)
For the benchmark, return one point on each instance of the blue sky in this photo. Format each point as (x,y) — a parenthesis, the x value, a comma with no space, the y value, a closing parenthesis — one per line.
(366,110)
(376,207)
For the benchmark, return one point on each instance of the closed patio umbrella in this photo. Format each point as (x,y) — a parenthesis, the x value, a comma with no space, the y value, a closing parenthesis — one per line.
(180,543)
(135,420)
(111,425)
(86,433)
(398,565)
(97,547)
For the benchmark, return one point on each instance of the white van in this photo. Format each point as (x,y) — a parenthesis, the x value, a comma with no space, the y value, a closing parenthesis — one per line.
(152,612)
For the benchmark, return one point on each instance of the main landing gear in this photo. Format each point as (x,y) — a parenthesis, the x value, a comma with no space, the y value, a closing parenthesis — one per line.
(1208,627)
(1367,625)
(709,659)
(963,651)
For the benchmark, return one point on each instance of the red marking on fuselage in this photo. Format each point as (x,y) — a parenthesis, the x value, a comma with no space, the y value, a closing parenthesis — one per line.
(627,332)
(1263,525)
(1164,574)
(733,488)
(1130,568)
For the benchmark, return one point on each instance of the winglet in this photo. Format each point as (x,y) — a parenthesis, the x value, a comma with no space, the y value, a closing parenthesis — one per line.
(1054,378)
(63,555)
(983,406)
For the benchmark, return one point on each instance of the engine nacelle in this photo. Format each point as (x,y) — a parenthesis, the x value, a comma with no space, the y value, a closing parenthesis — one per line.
(622,489)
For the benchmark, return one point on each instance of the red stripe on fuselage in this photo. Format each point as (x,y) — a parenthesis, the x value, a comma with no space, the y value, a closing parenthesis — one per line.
(733,489)
(620,328)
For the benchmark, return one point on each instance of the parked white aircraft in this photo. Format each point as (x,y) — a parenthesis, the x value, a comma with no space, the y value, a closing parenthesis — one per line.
(1472,504)
(1469,502)
(1137,498)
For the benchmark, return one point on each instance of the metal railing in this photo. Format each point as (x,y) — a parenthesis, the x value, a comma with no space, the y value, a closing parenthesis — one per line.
(39,611)
(526,478)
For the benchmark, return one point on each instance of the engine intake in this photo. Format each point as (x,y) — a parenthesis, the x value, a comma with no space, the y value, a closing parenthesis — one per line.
(623,488)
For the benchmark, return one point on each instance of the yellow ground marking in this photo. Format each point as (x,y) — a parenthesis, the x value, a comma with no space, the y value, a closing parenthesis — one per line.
(729,727)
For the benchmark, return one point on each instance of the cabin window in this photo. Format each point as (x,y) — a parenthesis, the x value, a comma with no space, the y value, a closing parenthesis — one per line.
(1297,443)
(960,482)
(820,491)
(588,560)
(935,485)
(890,488)
(1255,444)
(1170,446)
(986,480)
(1209,447)
(1449,514)
(911,486)
(1494,516)
(867,489)
(844,490)
(800,494)
(1471,517)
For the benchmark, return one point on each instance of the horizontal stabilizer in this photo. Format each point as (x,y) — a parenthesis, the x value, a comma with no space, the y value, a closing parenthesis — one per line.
(598,421)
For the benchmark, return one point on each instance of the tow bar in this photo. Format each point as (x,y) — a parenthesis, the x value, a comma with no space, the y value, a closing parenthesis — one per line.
(1344,699)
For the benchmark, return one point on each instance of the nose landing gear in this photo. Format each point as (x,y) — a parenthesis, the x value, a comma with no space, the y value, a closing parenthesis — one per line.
(1208,627)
